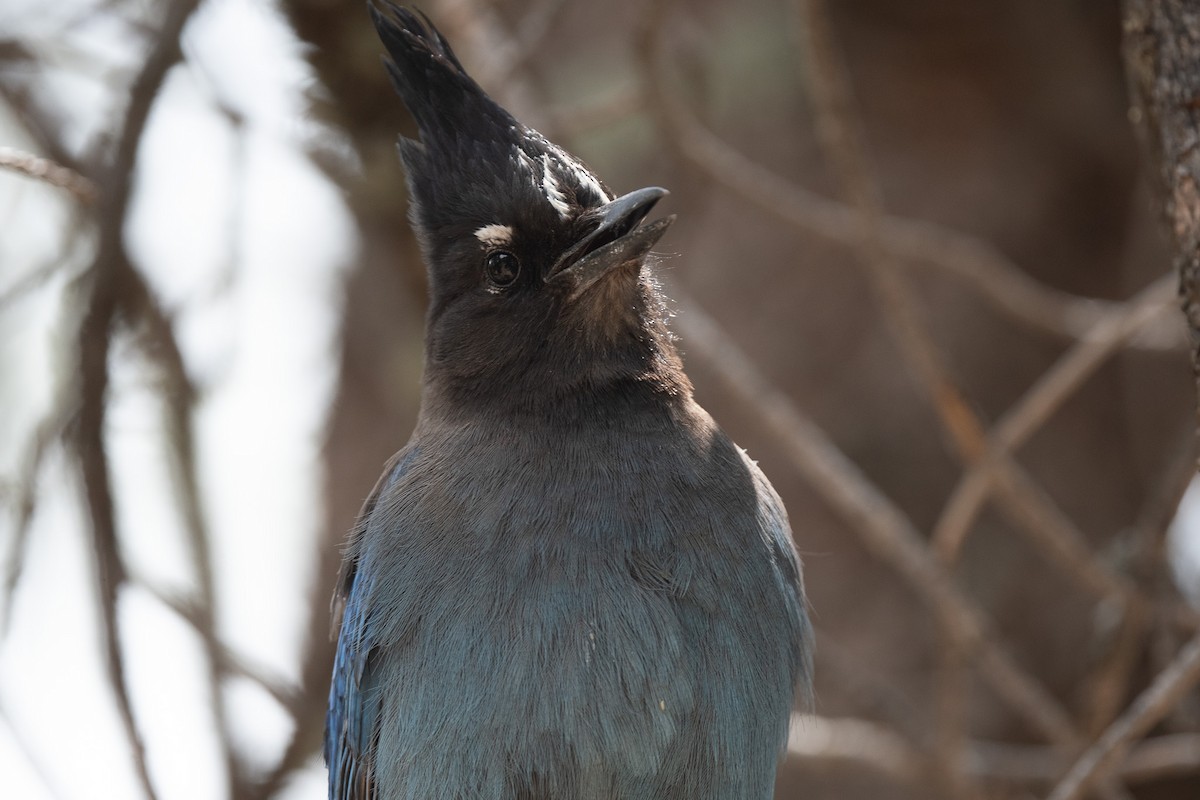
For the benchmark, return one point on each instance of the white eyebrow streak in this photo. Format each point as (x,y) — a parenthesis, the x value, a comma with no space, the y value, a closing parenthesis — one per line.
(495,235)
(553,194)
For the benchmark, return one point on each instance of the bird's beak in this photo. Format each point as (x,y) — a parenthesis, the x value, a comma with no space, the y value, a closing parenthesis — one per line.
(615,240)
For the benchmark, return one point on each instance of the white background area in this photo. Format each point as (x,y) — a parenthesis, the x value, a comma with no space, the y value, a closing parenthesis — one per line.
(245,242)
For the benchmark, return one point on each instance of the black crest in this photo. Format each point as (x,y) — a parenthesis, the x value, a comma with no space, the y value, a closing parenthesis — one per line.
(451,110)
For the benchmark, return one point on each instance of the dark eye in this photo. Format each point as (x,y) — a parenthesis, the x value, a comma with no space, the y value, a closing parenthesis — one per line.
(502,268)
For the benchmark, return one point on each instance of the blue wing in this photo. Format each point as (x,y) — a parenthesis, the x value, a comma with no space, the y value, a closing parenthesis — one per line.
(352,721)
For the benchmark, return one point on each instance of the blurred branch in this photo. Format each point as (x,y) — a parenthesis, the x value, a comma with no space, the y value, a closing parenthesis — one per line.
(915,242)
(1167,689)
(29,282)
(857,743)
(1050,391)
(48,171)
(1147,563)
(491,54)
(64,394)
(1108,684)
(42,124)
(88,436)
(200,619)
(157,338)
(576,120)
(538,23)
(109,275)
(1023,499)
(1048,528)
(1150,760)
(884,528)
(876,695)
(25,502)
(839,131)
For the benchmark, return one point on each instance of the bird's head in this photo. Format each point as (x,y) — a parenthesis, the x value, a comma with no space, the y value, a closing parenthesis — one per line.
(535,267)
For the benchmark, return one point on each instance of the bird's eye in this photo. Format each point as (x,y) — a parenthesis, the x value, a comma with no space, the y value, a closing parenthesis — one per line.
(502,268)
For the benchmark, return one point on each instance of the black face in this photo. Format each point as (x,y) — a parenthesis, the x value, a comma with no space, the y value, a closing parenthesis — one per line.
(535,268)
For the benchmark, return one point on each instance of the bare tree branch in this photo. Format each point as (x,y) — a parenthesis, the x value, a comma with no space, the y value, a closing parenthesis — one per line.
(914,713)
(1111,332)
(857,743)
(842,140)
(109,273)
(48,431)
(231,662)
(884,528)
(1150,760)
(178,396)
(916,243)
(1167,689)
(48,171)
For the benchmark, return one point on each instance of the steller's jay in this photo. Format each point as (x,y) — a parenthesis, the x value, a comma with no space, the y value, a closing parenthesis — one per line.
(569,584)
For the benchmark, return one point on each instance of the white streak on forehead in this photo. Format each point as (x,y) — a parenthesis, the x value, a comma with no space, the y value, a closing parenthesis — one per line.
(495,235)
(582,175)
(554,194)
(588,179)
(523,162)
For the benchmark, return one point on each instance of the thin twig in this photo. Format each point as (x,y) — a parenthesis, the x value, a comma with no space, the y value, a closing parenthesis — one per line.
(191,612)
(88,439)
(1051,390)
(308,712)
(1153,759)
(748,179)
(1021,498)
(875,693)
(101,302)
(865,744)
(538,23)
(484,41)
(1108,683)
(574,121)
(46,433)
(71,255)
(916,243)
(884,528)
(858,743)
(28,282)
(950,714)
(48,171)
(842,140)
(1167,689)
(157,338)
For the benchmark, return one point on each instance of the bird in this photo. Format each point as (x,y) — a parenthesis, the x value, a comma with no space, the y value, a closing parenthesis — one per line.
(570,584)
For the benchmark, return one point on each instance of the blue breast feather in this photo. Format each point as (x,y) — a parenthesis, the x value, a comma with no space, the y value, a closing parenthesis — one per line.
(641,640)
